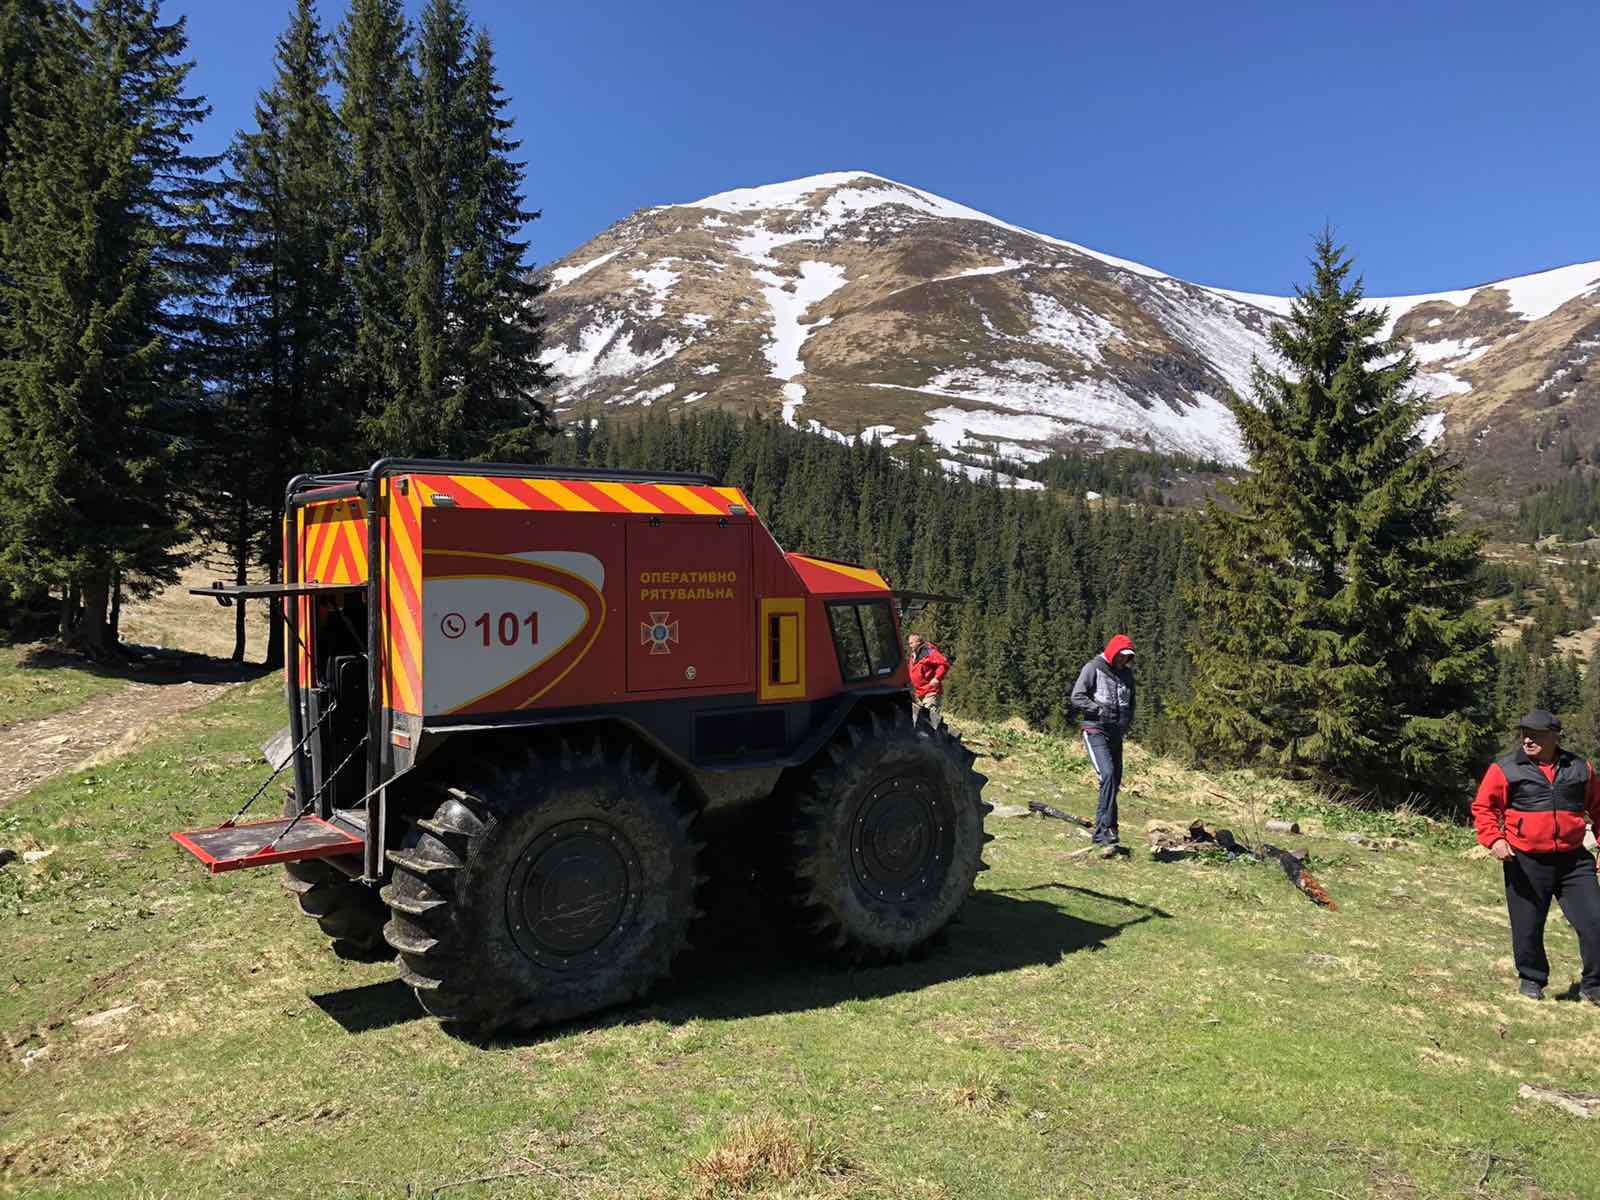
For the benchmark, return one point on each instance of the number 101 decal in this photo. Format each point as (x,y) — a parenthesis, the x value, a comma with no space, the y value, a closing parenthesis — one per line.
(508,628)
(501,631)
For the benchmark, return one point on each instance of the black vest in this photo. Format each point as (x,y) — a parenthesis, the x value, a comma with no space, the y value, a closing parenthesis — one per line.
(1529,791)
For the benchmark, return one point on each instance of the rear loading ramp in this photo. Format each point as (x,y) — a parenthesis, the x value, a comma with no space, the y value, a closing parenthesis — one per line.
(264,843)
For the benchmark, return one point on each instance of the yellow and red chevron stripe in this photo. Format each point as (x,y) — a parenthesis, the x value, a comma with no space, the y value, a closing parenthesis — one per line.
(578,495)
(333,542)
(823,575)
(403,602)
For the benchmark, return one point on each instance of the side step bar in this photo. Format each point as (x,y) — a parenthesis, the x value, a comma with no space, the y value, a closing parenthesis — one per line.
(263,843)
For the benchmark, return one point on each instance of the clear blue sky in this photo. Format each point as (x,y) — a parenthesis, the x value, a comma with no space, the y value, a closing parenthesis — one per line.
(1449,143)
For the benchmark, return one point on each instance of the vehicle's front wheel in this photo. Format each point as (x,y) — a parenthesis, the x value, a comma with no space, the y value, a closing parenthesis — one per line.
(886,836)
(547,888)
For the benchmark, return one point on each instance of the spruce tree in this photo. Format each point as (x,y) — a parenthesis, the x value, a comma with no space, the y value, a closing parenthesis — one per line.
(25,27)
(26,30)
(372,68)
(465,380)
(102,266)
(285,223)
(496,327)
(1337,628)
(1583,733)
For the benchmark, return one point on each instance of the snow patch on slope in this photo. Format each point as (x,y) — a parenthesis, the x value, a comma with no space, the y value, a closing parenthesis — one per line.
(565,275)
(1530,297)
(789,300)
(1536,296)
(871,191)
(605,350)
(1447,348)
(658,281)
(1034,406)
(1082,333)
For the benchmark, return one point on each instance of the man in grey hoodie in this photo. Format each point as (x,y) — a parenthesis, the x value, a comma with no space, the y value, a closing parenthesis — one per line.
(1104,695)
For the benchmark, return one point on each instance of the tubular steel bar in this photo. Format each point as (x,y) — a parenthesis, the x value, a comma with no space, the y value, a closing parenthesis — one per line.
(372,487)
(291,673)
(441,466)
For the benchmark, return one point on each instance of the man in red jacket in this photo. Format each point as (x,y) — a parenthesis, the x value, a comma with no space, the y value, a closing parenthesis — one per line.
(1531,811)
(928,669)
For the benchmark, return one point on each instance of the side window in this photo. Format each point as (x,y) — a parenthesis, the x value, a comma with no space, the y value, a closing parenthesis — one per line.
(781,648)
(863,636)
(882,644)
(850,642)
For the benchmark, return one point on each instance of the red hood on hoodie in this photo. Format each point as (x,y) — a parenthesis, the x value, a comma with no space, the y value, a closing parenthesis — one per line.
(1117,644)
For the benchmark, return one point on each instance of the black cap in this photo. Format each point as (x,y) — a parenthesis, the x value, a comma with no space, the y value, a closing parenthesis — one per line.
(1540,721)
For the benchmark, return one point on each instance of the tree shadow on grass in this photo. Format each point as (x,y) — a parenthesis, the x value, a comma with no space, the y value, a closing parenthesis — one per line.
(744,966)
(146,664)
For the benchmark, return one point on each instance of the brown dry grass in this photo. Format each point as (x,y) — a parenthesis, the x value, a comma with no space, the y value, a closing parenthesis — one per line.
(760,1154)
(175,620)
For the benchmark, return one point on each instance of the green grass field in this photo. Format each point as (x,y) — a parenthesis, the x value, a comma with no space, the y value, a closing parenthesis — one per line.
(35,682)
(1089,1028)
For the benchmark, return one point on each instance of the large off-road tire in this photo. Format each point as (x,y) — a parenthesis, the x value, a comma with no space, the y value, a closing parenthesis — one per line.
(545,888)
(350,913)
(886,836)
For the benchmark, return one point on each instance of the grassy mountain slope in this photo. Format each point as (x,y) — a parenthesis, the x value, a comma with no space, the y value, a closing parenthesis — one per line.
(1119,1029)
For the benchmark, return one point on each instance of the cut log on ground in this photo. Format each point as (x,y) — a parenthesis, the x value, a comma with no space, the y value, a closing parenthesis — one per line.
(1579,1104)
(1302,878)
(1283,826)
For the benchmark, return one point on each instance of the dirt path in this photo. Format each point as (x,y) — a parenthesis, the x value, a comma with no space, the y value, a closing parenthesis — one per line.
(104,728)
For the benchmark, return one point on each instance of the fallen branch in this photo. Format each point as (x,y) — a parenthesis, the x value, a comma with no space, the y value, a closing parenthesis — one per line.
(1045,810)
(455,1183)
(1487,1167)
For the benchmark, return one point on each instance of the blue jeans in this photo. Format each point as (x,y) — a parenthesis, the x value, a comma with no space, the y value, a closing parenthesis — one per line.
(1105,752)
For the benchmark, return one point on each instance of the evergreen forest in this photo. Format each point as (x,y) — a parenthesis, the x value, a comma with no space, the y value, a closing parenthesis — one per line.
(179,334)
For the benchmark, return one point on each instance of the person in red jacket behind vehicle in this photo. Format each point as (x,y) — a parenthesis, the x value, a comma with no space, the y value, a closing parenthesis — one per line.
(928,669)
(1530,811)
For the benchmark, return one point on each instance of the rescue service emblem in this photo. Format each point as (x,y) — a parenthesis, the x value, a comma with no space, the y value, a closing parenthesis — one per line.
(659,633)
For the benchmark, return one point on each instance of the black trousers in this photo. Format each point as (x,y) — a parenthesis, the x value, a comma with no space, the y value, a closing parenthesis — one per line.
(1532,881)
(1105,752)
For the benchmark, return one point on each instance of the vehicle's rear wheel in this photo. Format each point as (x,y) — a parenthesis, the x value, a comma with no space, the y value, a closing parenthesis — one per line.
(547,888)
(350,913)
(886,836)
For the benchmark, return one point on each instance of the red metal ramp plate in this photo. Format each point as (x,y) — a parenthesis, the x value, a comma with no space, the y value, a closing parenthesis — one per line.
(262,843)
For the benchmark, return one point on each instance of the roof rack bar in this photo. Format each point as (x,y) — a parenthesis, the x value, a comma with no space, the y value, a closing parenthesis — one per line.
(400,466)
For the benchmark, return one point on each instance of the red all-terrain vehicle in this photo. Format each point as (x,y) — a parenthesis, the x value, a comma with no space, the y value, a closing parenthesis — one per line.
(519,697)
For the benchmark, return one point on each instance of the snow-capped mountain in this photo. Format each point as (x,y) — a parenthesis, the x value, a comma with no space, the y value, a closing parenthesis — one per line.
(849,302)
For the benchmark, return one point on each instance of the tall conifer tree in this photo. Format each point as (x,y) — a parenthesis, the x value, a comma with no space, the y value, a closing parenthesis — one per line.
(465,382)
(496,328)
(101,264)
(26,27)
(373,70)
(1336,602)
(286,225)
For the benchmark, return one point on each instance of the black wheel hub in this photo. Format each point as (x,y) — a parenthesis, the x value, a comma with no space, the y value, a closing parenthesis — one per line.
(574,890)
(902,835)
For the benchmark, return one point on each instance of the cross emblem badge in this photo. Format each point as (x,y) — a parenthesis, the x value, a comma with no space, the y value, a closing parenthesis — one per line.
(659,632)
